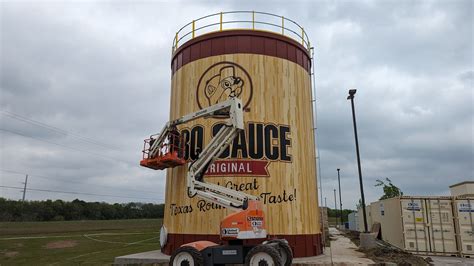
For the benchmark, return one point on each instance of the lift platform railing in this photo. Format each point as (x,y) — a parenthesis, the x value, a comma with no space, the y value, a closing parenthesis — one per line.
(170,153)
(248,20)
(174,143)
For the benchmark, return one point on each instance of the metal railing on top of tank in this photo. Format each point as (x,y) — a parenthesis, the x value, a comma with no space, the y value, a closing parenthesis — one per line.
(260,21)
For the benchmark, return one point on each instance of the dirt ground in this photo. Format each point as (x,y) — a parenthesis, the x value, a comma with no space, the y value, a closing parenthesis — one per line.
(61,244)
(386,254)
(10,254)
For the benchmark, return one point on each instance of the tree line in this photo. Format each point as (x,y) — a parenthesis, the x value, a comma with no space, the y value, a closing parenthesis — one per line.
(337,213)
(59,210)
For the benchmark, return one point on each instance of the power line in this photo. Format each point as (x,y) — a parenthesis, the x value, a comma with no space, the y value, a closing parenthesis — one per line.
(57,130)
(74,182)
(61,145)
(77,193)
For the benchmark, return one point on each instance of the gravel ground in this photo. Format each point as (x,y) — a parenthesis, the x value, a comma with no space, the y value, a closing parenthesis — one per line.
(387,254)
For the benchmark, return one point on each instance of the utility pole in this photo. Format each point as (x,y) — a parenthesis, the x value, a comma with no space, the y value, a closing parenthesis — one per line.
(351,97)
(24,189)
(335,205)
(325,202)
(340,197)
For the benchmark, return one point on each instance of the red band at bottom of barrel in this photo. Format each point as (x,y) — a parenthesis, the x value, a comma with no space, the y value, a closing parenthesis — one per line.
(301,245)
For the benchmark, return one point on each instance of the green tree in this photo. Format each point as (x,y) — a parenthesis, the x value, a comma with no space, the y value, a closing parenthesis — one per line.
(389,189)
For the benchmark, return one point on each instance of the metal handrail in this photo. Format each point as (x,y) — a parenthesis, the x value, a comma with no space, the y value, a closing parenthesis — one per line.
(190,31)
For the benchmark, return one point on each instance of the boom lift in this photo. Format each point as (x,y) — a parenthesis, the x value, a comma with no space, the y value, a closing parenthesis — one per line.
(165,150)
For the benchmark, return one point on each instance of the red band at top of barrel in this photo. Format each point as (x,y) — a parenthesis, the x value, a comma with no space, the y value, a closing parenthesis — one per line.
(241,32)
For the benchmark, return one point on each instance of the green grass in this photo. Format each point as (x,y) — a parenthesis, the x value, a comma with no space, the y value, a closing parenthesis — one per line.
(92,242)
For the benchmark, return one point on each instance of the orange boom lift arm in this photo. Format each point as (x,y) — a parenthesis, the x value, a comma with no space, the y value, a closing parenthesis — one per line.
(164,150)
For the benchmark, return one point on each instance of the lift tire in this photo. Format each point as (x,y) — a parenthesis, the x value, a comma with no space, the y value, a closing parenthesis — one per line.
(186,256)
(285,251)
(263,255)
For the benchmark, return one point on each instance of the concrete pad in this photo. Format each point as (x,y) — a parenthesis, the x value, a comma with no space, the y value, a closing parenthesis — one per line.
(343,252)
(150,257)
(438,260)
(367,240)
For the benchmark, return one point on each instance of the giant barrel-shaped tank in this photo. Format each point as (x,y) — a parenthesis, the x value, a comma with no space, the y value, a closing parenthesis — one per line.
(273,158)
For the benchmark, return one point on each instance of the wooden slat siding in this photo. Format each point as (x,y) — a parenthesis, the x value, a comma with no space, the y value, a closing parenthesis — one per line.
(257,45)
(187,55)
(174,66)
(244,44)
(240,41)
(189,238)
(299,57)
(281,96)
(284,219)
(195,52)
(231,45)
(218,46)
(309,244)
(270,47)
(179,61)
(300,247)
(282,50)
(291,54)
(206,49)
(291,241)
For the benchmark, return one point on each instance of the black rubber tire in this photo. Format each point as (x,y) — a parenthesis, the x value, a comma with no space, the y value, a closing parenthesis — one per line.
(195,254)
(283,247)
(271,251)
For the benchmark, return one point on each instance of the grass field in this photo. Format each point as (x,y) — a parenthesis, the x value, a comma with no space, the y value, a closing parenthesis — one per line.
(75,242)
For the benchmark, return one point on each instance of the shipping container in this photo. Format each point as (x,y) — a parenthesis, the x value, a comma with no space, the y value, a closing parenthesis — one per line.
(464,213)
(353,221)
(420,225)
(360,218)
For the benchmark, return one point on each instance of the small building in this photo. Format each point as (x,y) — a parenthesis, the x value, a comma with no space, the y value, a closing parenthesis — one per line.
(465,188)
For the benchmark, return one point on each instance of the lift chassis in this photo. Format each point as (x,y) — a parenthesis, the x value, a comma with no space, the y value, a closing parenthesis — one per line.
(163,150)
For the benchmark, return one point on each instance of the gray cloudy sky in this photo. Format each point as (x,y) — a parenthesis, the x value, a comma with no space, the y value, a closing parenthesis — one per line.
(97,74)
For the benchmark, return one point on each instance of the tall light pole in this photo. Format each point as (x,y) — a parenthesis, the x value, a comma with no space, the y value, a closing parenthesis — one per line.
(351,97)
(24,189)
(340,197)
(335,206)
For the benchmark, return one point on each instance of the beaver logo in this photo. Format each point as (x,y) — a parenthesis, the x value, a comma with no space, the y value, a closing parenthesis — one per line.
(222,81)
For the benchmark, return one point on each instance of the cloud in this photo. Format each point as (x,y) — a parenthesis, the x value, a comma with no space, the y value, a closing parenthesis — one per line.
(102,70)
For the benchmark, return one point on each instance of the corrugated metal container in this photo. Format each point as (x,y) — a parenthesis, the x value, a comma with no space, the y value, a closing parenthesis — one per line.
(360,218)
(388,214)
(421,225)
(464,213)
(353,221)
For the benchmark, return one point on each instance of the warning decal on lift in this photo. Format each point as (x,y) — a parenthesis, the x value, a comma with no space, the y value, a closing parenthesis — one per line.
(230,231)
(229,252)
